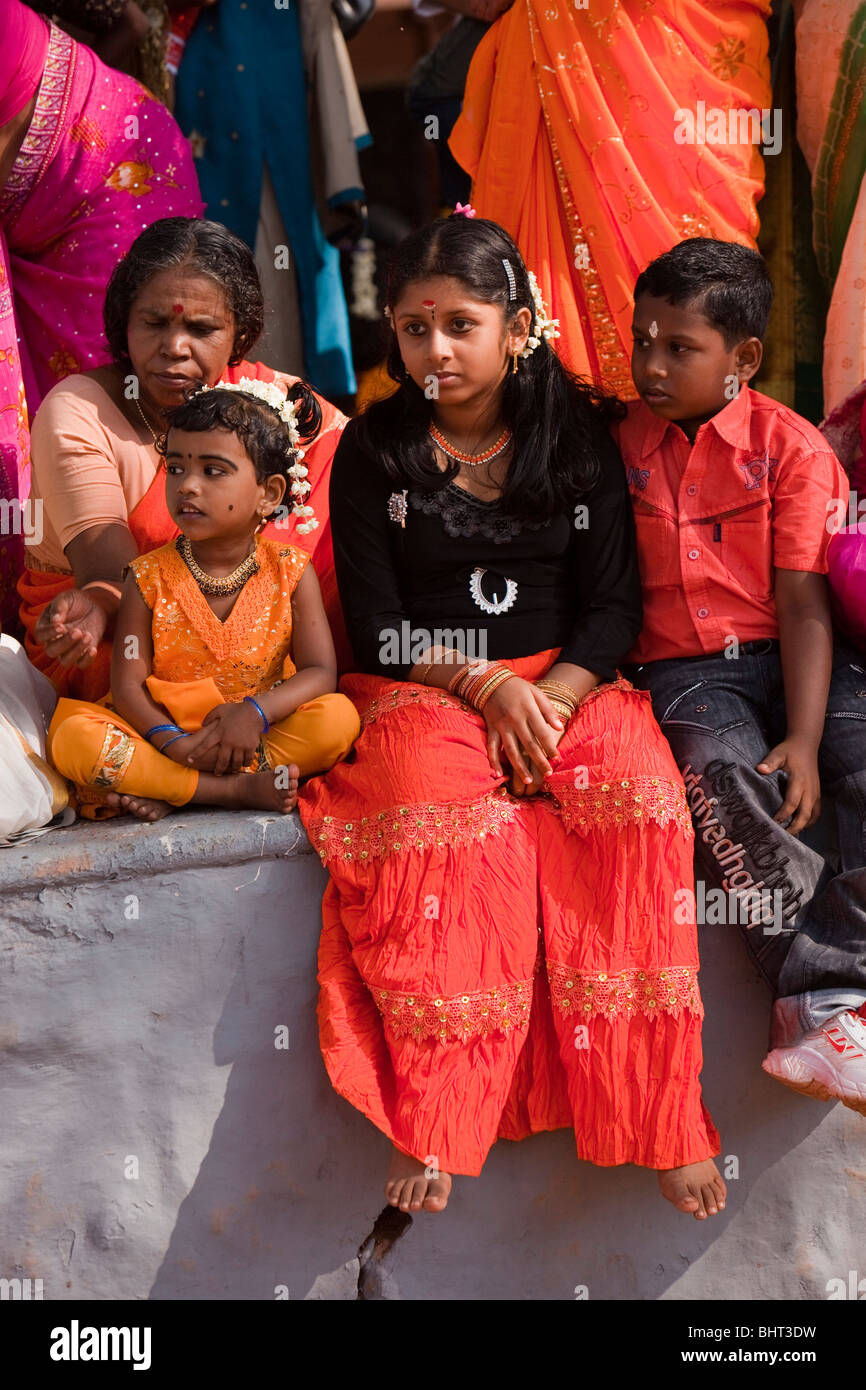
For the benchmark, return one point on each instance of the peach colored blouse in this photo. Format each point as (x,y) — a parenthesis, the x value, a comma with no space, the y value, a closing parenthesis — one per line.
(88,466)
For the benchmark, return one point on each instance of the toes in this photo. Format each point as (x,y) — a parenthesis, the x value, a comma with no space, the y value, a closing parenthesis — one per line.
(700,1212)
(710,1200)
(393,1190)
(720,1191)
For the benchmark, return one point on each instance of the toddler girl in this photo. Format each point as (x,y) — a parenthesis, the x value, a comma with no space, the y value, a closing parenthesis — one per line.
(223,668)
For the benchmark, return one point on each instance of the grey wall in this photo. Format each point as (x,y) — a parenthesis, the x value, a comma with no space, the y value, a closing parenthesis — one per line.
(151,1037)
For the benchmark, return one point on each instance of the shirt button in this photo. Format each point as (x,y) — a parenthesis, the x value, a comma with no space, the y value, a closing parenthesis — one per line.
(693,554)
(691,490)
(703,612)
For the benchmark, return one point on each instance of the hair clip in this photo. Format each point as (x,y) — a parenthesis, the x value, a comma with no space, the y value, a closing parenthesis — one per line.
(464,210)
(512,282)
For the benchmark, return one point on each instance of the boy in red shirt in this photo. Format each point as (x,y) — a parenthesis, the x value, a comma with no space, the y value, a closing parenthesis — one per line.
(732,493)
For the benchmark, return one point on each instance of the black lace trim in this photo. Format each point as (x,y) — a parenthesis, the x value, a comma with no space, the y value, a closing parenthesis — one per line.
(465,515)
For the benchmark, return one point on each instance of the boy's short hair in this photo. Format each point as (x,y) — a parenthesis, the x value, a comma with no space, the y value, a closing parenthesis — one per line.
(731,283)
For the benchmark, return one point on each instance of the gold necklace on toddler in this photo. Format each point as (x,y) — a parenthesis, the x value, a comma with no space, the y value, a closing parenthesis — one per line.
(208,583)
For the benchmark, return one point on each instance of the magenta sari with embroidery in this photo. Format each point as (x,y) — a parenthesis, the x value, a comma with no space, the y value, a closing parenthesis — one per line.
(102,159)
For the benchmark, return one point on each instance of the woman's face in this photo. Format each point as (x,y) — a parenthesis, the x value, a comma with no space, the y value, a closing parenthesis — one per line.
(453,346)
(181,331)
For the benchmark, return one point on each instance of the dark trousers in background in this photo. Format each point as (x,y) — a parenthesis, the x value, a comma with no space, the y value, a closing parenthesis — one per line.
(721,716)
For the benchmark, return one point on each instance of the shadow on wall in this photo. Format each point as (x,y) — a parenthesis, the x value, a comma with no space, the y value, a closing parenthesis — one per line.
(292,1180)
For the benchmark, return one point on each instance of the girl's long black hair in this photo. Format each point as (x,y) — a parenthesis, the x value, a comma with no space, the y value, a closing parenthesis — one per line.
(558,421)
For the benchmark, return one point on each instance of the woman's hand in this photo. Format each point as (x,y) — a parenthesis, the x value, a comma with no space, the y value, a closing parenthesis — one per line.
(522,725)
(71,628)
(229,734)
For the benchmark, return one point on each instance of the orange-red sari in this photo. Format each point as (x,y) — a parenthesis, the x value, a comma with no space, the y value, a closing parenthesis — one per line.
(568,130)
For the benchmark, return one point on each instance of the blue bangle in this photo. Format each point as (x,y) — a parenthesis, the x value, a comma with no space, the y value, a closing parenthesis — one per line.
(251,701)
(160,728)
(170,741)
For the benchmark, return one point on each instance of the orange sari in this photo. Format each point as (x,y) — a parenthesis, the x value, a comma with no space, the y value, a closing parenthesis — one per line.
(152,527)
(568,130)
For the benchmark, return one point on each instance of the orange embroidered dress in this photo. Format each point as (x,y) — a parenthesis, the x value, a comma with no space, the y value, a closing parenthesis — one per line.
(200,662)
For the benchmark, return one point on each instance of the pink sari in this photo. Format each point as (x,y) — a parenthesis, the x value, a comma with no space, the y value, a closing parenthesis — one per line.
(101,161)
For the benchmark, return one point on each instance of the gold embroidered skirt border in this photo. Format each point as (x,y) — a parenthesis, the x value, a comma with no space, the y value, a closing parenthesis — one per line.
(585,994)
(460,1016)
(409,693)
(421,826)
(633,799)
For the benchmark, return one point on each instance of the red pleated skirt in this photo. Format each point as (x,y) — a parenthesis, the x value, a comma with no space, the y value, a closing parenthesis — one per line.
(493,966)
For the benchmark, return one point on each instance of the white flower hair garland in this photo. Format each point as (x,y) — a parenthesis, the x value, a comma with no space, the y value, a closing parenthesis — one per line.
(543,326)
(270,393)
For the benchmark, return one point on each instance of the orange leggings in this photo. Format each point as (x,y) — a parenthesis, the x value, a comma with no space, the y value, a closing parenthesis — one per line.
(96,749)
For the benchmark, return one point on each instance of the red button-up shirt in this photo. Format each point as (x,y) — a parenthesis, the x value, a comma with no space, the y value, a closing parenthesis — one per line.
(759,488)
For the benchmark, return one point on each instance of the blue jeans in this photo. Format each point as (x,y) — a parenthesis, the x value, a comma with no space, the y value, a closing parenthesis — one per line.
(721,716)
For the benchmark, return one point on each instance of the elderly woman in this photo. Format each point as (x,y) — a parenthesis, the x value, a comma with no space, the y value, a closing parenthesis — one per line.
(183,307)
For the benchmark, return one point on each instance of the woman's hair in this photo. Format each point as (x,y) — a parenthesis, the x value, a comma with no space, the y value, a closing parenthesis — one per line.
(729,284)
(558,422)
(205,247)
(261,430)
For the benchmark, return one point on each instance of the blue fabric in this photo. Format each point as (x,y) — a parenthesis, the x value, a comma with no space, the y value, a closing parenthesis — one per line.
(242,87)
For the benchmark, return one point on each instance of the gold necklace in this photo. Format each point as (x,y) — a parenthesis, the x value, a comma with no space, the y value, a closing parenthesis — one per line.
(145,419)
(208,583)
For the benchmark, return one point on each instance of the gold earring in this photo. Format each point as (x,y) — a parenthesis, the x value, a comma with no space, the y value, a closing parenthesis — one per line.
(514,363)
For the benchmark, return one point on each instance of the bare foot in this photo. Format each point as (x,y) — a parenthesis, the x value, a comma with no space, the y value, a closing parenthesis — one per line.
(408,1188)
(274,790)
(697,1188)
(144,807)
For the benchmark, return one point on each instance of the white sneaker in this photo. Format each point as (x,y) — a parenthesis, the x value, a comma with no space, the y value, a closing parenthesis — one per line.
(828,1063)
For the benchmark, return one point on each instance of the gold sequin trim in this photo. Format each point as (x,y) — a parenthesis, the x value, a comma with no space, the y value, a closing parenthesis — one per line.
(585,994)
(629,801)
(461,1016)
(409,694)
(416,827)
(115,757)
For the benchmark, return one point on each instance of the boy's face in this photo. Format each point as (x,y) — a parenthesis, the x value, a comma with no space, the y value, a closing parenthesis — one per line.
(681,366)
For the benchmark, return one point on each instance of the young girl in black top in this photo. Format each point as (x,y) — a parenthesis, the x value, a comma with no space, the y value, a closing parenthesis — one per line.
(502,949)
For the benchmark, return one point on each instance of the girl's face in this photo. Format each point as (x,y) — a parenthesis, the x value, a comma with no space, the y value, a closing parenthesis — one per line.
(453,346)
(211,488)
(181,331)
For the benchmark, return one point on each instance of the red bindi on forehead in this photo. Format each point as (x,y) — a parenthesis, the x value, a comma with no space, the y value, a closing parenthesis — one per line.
(177,308)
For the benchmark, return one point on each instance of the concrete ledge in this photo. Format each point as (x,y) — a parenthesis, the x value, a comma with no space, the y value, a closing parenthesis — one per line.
(144,973)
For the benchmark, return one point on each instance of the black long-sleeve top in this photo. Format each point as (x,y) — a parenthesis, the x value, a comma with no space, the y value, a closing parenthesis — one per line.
(578,586)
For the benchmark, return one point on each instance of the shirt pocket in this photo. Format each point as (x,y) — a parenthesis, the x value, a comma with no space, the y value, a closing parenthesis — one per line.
(746,552)
(658,549)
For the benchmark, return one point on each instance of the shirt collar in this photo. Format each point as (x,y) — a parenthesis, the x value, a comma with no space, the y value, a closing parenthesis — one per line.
(731,424)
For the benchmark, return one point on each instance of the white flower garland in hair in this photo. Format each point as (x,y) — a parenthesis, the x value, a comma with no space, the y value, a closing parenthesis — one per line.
(543,326)
(270,393)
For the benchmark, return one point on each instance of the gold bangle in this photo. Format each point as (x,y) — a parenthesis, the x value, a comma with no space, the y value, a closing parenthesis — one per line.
(563,710)
(480,697)
(564,692)
(467,673)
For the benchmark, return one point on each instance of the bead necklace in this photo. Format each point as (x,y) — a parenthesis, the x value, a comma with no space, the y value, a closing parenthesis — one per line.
(471,460)
(229,583)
